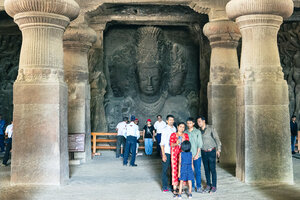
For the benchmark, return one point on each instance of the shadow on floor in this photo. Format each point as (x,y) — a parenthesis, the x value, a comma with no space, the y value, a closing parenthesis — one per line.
(228,168)
(289,192)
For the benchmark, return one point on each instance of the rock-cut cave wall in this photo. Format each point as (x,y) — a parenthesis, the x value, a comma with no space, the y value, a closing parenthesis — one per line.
(288,43)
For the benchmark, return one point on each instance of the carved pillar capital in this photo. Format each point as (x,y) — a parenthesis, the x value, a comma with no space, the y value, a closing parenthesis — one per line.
(41,22)
(237,8)
(30,13)
(80,37)
(222,33)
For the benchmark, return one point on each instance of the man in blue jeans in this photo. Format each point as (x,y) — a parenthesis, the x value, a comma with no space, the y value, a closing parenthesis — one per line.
(211,149)
(2,137)
(196,145)
(294,132)
(133,134)
(166,151)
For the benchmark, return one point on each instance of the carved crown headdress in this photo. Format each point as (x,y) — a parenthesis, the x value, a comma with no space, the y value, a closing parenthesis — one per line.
(148,47)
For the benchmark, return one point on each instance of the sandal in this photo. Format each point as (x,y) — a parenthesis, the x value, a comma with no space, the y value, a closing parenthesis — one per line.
(175,194)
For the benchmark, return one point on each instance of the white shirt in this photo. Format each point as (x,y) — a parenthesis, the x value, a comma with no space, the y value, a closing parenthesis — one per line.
(121,128)
(159,126)
(165,138)
(132,130)
(9,130)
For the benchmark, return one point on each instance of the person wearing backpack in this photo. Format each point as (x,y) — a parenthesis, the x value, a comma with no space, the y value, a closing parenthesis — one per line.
(211,149)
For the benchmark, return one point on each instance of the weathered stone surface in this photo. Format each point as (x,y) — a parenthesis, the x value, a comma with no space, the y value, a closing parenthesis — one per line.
(265,116)
(288,44)
(150,74)
(40,93)
(78,40)
(224,72)
(10,46)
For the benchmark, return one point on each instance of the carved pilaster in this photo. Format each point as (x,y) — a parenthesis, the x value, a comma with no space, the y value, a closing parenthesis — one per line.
(100,81)
(77,42)
(224,72)
(40,93)
(264,92)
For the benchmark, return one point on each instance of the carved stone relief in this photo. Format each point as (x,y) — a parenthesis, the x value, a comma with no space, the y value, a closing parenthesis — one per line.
(152,70)
(10,46)
(289,49)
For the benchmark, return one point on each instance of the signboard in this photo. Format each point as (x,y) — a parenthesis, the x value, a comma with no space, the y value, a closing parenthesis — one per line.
(76,142)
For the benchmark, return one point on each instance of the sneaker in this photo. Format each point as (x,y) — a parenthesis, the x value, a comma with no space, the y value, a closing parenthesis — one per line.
(174,196)
(207,189)
(213,189)
(134,165)
(190,196)
(165,191)
(179,196)
(124,164)
(3,165)
(199,190)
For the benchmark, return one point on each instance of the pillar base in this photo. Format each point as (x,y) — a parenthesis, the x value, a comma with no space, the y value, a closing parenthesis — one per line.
(223,107)
(39,152)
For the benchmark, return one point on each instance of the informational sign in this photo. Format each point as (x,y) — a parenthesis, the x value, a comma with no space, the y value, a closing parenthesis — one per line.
(76,142)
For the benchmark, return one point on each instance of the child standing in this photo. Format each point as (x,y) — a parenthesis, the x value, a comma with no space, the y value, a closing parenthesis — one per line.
(186,167)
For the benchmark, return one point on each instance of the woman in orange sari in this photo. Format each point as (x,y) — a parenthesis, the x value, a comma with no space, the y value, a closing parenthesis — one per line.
(175,142)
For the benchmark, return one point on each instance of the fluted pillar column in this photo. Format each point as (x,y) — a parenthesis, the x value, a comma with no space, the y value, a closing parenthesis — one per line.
(77,42)
(39,152)
(224,72)
(267,156)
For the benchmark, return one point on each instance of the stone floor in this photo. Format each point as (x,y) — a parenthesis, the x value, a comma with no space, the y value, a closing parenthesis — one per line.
(106,178)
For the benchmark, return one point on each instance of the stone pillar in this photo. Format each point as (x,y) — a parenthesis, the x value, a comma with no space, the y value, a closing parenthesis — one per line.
(267,156)
(224,72)
(39,152)
(77,42)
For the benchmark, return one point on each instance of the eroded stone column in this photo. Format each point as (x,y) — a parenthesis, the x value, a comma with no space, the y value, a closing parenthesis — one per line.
(40,154)
(224,71)
(77,42)
(267,156)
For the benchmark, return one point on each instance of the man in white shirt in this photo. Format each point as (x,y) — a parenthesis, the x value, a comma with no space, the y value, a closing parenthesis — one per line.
(121,140)
(159,125)
(8,133)
(133,134)
(166,150)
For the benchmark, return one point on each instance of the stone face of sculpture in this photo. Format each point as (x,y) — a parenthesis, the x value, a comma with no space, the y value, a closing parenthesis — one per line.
(148,60)
(149,80)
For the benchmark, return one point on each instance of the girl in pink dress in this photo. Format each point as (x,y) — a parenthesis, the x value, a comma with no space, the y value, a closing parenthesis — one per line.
(175,142)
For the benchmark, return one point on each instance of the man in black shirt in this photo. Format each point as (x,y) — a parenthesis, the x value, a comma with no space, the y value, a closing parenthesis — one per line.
(294,132)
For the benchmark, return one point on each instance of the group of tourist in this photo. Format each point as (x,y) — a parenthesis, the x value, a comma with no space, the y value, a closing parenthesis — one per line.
(181,148)
(5,138)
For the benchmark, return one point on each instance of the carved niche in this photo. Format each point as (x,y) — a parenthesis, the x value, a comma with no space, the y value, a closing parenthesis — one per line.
(152,70)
